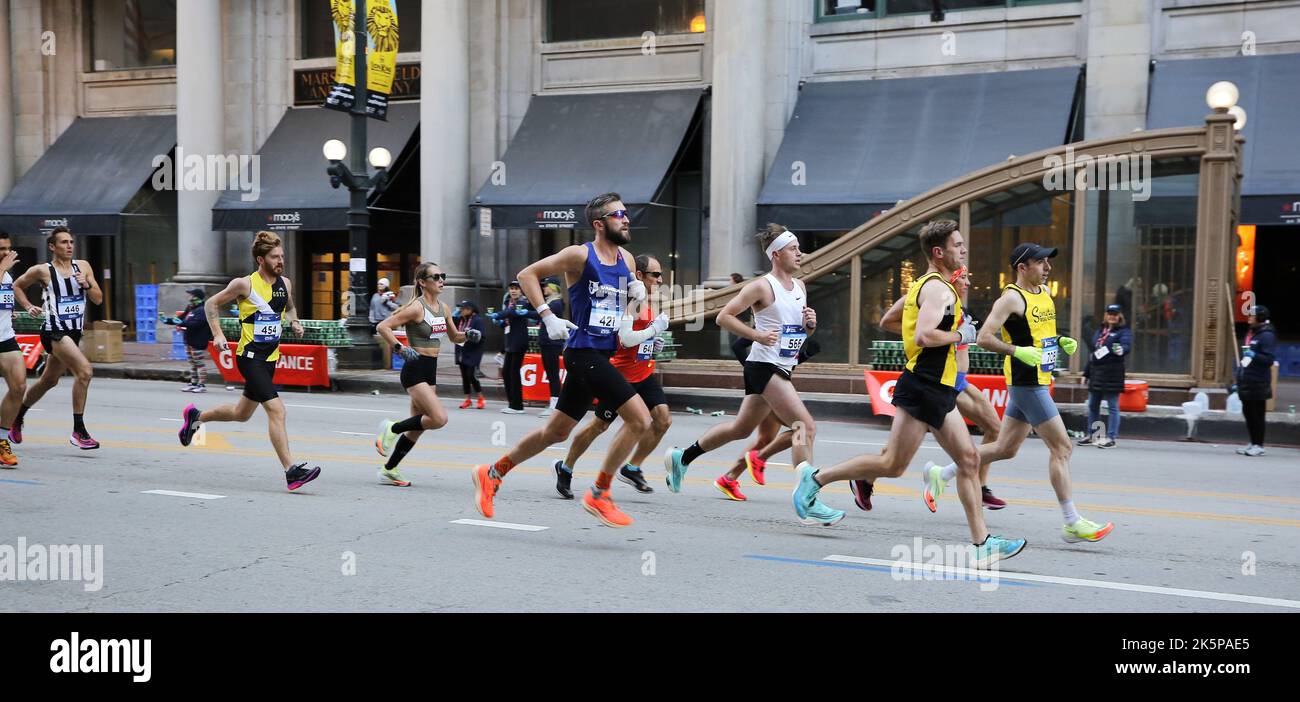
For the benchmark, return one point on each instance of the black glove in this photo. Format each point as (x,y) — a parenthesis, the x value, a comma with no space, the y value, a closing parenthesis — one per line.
(808,350)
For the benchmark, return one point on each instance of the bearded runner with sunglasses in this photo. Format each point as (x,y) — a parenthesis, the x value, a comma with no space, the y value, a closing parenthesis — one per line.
(426,320)
(600,284)
(1026,317)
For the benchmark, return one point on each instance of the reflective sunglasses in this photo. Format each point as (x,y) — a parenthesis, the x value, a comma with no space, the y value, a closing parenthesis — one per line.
(616,214)
(434,276)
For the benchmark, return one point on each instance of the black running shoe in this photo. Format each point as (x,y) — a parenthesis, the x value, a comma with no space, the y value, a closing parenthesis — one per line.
(300,475)
(862,493)
(189,424)
(635,479)
(563,478)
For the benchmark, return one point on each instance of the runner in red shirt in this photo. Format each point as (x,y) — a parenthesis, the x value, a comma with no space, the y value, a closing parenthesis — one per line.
(638,344)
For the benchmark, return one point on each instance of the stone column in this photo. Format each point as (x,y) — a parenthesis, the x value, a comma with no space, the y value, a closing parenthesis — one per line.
(6,105)
(200,110)
(445,139)
(735,153)
(1119,55)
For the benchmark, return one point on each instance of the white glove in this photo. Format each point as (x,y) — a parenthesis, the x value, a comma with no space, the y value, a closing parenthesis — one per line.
(1245,361)
(556,328)
(660,323)
(967,331)
(659,345)
(636,290)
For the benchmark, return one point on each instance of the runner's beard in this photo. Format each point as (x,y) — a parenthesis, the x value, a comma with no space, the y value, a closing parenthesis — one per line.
(617,237)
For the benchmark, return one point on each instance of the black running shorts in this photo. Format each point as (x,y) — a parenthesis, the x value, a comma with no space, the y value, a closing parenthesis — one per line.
(590,376)
(10,344)
(758,373)
(422,370)
(259,383)
(649,389)
(924,399)
(50,338)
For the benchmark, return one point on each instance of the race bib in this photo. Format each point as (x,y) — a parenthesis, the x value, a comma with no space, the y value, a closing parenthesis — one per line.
(6,296)
(437,325)
(1100,353)
(69,309)
(792,338)
(604,316)
(266,327)
(1049,355)
(646,350)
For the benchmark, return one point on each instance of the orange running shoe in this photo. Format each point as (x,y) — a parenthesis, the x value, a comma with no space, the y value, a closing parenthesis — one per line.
(599,504)
(7,457)
(481,402)
(756,467)
(730,488)
(466,404)
(485,488)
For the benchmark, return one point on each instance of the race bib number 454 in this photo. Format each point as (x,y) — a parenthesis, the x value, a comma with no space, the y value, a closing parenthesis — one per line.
(266,327)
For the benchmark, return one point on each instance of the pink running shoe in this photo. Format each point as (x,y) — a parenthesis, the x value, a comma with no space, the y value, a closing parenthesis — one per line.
(83,441)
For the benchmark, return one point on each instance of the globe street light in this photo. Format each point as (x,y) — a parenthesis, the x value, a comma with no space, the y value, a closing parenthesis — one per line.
(1221,96)
(1240,113)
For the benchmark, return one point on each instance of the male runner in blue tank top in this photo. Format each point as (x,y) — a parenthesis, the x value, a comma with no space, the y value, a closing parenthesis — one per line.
(599,277)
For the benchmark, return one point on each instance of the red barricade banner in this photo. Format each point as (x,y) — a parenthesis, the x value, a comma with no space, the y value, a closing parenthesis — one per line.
(299,364)
(532,374)
(32,348)
(880,388)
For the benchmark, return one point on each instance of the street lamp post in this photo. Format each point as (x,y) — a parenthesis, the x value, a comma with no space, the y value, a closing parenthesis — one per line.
(363,353)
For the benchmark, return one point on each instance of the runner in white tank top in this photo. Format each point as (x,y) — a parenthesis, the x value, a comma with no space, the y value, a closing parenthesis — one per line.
(782,322)
(11,355)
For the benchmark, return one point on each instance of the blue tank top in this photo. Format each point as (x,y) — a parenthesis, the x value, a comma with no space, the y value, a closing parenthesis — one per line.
(597,303)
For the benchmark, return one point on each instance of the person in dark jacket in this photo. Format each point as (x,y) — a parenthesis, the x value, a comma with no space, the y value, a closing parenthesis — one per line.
(550,348)
(1105,373)
(513,317)
(194,325)
(470,354)
(1255,377)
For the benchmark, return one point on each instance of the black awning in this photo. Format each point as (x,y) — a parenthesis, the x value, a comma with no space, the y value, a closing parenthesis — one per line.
(571,148)
(853,148)
(89,175)
(295,191)
(1271,155)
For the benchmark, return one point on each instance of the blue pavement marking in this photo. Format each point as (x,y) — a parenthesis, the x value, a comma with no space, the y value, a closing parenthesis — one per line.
(19,482)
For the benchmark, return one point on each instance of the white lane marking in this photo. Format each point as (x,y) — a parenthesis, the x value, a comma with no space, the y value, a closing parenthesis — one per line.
(168,419)
(342,409)
(499,525)
(869,443)
(355,433)
(194,495)
(1078,582)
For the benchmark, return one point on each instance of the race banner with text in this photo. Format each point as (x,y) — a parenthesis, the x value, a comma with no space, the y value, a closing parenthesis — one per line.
(299,364)
(880,388)
(381,55)
(532,375)
(32,348)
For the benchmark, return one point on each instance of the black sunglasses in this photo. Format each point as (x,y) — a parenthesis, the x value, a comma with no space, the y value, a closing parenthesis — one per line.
(657,274)
(434,276)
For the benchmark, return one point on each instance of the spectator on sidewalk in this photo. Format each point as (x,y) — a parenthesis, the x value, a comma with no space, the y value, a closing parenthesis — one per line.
(194,325)
(1255,377)
(382,304)
(513,317)
(1111,344)
(551,349)
(470,354)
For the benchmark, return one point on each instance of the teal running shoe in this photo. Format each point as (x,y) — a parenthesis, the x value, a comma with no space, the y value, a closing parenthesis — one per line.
(996,548)
(821,515)
(674,469)
(386,438)
(805,490)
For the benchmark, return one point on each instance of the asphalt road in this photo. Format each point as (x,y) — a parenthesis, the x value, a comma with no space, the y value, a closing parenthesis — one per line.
(1198,528)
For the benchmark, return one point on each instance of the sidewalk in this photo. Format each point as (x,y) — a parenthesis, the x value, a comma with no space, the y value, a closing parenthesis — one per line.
(149,362)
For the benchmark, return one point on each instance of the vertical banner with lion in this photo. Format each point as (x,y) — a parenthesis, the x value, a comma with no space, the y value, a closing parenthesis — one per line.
(382,35)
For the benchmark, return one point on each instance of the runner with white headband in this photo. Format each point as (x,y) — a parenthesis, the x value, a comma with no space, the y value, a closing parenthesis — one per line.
(782,322)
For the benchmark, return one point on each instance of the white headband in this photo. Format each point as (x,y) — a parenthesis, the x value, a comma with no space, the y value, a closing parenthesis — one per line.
(787,237)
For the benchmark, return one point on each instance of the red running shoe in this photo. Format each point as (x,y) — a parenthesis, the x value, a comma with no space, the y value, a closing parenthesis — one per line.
(862,493)
(992,501)
(466,404)
(756,467)
(481,403)
(730,488)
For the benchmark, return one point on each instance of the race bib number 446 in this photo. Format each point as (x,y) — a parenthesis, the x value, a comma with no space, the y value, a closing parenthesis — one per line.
(71,308)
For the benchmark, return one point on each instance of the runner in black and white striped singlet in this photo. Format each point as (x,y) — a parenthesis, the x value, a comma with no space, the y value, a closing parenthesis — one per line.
(68,286)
